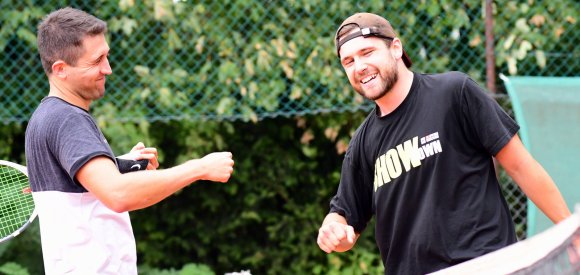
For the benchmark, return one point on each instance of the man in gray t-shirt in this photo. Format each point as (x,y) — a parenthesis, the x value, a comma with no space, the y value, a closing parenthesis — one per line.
(81,197)
(60,139)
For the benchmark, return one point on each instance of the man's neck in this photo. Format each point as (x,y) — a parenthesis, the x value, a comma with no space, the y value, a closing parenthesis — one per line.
(57,89)
(388,103)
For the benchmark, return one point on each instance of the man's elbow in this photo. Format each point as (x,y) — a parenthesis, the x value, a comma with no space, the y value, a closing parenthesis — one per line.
(117,203)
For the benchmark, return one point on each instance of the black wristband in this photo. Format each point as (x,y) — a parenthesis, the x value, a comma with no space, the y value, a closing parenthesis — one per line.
(129,165)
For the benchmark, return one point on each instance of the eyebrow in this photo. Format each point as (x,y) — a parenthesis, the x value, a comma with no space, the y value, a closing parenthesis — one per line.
(101,54)
(359,51)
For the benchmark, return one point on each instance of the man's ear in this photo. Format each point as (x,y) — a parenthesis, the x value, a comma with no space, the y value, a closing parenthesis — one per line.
(397,48)
(59,69)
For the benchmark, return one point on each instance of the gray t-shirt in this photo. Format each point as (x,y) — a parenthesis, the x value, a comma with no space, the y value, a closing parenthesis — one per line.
(60,139)
(79,234)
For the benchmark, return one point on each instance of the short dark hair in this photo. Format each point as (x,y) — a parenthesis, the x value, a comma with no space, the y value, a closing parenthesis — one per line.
(61,34)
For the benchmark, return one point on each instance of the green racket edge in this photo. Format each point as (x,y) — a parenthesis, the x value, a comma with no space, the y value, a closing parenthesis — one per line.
(33,215)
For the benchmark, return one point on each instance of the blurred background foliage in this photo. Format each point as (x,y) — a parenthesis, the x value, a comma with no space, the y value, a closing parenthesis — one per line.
(259,78)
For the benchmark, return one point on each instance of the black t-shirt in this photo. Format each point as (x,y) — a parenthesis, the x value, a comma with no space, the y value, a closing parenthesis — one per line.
(426,172)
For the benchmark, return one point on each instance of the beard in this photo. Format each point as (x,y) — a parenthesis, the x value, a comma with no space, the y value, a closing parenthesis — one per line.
(389,78)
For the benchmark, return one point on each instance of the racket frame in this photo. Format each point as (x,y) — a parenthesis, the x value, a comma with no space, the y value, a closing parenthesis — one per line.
(33,215)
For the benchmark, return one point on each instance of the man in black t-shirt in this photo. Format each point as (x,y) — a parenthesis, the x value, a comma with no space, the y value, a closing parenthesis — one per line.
(422,161)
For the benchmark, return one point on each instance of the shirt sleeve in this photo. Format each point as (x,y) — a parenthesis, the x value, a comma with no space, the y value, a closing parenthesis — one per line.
(484,119)
(353,200)
(78,140)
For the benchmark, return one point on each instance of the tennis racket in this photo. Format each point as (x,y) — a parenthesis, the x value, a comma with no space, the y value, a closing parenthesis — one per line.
(17,209)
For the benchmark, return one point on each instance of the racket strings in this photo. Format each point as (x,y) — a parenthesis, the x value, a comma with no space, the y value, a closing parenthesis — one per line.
(16,205)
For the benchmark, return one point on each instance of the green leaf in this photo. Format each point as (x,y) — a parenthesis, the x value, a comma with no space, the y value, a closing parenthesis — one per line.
(196,269)
(13,269)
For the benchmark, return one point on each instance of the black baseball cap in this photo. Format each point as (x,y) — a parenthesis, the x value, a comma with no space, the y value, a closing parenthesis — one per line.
(369,24)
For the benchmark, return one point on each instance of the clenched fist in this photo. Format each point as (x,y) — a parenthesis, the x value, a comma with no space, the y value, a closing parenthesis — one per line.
(336,236)
(218,166)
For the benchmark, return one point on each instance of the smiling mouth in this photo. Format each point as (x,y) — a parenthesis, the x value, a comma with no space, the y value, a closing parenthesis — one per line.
(367,79)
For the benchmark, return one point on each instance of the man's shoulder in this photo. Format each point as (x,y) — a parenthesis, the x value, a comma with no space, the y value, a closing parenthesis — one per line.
(53,110)
(54,104)
(450,83)
(360,133)
(446,77)
(367,122)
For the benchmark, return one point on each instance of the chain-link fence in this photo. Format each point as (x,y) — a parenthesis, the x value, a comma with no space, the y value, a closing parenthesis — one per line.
(253,59)
(250,59)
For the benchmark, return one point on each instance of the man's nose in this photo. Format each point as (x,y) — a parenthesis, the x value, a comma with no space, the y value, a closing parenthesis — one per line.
(360,65)
(106,67)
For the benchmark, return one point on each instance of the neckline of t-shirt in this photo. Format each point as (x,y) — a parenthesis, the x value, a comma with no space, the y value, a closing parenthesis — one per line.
(404,105)
(62,100)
